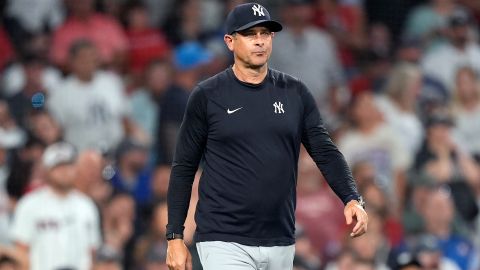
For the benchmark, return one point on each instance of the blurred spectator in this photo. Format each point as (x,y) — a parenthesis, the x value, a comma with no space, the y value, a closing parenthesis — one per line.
(12,134)
(398,105)
(6,48)
(11,259)
(189,60)
(440,243)
(31,75)
(430,255)
(89,177)
(439,214)
(371,140)
(160,182)
(373,246)
(409,51)
(158,11)
(373,71)
(466,111)
(66,214)
(4,200)
(440,157)
(315,202)
(25,169)
(184,23)
(461,50)
(90,104)
(380,39)
(132,173)
(378,207)
(36,16)
(32,94)
(344,261)
(118,224)
(306,256)
(107,258)
(44,127)
(429,22)
(84,23)
(310,55)
(346,24)
(152,244)
(146,100)
(145,43)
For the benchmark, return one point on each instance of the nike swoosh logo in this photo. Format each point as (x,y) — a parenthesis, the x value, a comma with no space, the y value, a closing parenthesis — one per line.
(232,111)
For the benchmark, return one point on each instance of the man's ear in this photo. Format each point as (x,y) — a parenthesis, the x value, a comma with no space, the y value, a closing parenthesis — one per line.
(229,41)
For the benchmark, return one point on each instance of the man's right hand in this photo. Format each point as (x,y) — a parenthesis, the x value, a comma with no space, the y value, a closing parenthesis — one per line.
(178,256)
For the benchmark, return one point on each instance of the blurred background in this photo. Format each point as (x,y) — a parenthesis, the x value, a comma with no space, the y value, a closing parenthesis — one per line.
(396,81)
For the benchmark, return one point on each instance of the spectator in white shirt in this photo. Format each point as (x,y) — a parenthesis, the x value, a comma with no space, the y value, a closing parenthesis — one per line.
(398,105)
(443,63)
(57,226)
(90,104)
(466,111)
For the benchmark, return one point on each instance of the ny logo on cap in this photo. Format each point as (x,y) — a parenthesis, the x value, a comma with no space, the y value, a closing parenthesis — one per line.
(258,9)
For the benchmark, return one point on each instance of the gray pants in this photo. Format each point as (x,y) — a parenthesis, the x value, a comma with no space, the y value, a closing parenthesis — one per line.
(218,255)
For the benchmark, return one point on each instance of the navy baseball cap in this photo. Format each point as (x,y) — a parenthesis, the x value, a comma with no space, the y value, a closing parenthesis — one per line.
(249,15)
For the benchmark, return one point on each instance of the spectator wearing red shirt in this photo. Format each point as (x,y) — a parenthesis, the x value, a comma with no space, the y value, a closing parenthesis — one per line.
(6,49)
(145,42)
(84,23)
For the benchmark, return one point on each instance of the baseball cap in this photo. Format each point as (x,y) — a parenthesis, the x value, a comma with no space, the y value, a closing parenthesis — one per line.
(58,154)
(248,15)
(190,55)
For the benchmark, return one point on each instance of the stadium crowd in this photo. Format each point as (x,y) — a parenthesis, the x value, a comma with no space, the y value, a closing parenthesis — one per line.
(397,83)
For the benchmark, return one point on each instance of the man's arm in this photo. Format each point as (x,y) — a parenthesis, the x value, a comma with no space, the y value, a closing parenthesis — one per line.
(326,155)
(188,153)
(331,163)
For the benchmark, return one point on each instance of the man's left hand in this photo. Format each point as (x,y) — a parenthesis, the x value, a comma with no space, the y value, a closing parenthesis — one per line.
(354,210)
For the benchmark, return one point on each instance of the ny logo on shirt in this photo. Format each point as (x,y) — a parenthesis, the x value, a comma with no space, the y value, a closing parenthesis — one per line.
(278,106)
(258,9)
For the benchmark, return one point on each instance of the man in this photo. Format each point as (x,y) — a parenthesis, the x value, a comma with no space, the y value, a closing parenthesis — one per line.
(90,104)
(461,51)
(85,23)
(248,122)
(56,226)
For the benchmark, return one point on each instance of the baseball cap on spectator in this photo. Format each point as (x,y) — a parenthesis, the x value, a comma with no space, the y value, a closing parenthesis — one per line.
(190,55)
(248,15)
(459,18)
(58,154)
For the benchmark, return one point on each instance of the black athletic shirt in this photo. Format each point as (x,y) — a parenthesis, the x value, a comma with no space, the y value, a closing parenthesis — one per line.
(249,136)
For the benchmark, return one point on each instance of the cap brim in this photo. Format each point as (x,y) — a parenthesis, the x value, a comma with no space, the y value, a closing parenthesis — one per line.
(273,26)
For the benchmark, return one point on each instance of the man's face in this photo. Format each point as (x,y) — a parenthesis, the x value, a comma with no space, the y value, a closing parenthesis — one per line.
(84,62)
(252,47)
(61,177)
